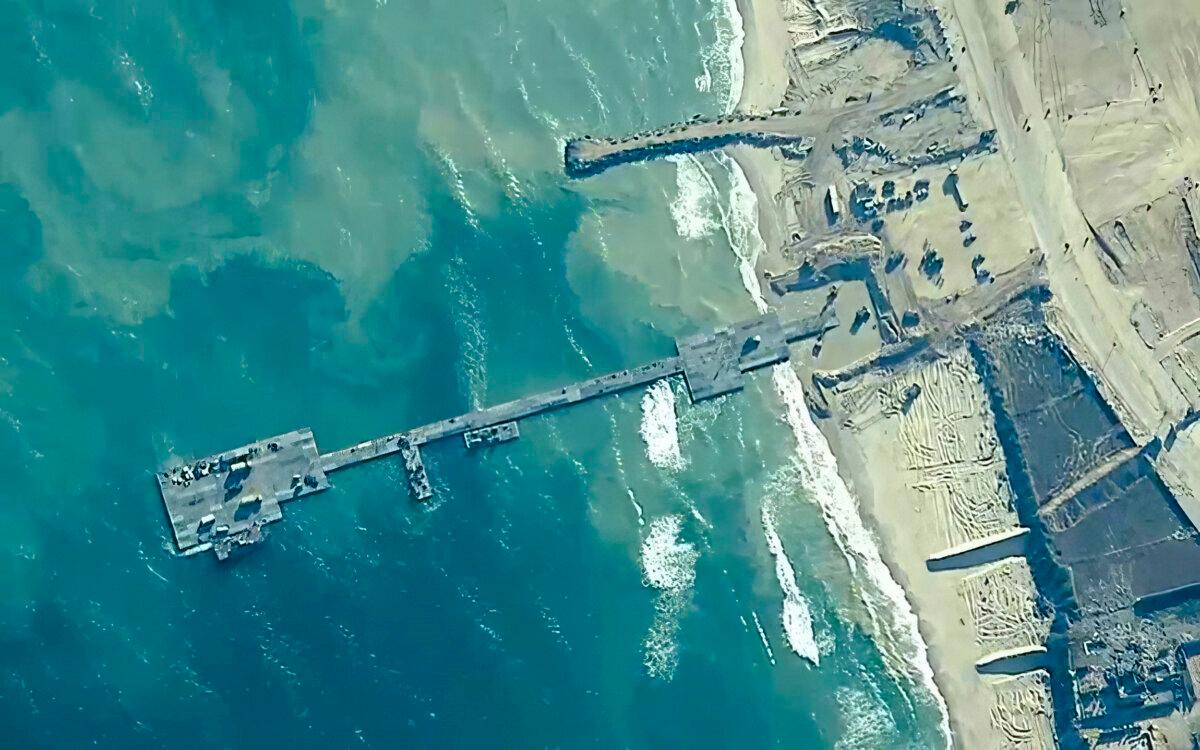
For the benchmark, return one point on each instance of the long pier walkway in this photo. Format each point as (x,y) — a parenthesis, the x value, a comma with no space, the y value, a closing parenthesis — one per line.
(222,502)
(510,411)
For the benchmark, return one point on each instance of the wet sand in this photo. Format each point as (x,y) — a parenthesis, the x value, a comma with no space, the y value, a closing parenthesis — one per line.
(911,519)
(927,481)
(763,87)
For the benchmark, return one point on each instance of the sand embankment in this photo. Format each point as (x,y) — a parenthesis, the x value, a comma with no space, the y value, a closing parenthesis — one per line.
(930,478)
(919,510)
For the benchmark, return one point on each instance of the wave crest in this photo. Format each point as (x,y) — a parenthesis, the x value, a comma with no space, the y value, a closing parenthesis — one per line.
(660,428)
(894,621)
(669,566)
(796,617)
(694,209)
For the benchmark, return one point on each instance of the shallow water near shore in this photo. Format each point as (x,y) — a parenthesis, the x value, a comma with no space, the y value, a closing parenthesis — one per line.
(224,222)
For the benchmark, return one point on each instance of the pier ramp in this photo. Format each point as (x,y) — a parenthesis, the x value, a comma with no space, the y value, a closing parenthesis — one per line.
(716,363)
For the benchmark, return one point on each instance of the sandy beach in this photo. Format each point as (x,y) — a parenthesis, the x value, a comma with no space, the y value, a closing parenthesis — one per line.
(964,616)
(927,484)
(999,204)
(764,83)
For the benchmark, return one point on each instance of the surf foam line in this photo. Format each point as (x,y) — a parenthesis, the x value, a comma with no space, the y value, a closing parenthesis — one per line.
(762,636)
(669,567)
(721,62)
(724,55)
(796,617)
(659,428)
(740,229)
(695,200)
(734,57)
(893,618)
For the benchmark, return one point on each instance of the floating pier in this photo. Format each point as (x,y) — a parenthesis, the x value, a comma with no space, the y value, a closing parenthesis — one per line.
(221,502)
(501,433)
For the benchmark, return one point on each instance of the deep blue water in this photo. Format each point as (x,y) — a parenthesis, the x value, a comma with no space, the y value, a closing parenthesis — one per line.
(220,221)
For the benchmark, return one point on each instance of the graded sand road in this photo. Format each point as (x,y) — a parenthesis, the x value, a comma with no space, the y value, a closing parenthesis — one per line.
(1087,312)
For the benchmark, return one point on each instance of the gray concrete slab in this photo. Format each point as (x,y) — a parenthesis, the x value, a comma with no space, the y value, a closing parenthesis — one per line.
(224,499)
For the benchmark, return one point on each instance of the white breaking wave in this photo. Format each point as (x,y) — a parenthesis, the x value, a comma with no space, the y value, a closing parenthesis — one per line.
(762,636)
(698,208)
(696,199)
(659,429)
(723,65)
(797,620)
(641,516)
(737,63)
(741,228)
(894,621)
(668,566)
(704,80)
(868,725)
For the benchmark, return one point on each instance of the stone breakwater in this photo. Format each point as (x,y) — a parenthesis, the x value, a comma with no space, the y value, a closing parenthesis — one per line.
(589,155)
(782,127)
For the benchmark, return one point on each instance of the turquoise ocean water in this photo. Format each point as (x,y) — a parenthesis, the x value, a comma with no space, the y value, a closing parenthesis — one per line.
(224,220)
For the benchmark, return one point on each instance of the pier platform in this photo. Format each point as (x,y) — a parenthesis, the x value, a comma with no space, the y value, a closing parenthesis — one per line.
(222,502)
(716,363)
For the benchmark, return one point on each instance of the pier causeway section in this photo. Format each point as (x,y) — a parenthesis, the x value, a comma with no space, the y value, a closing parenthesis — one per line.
(221,502)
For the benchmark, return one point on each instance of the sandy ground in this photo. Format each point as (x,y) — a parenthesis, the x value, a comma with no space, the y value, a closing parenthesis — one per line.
(767,44)
(1082,156)
(1089,187)
(763,88)
(966,615)
(1090,313)
(995,228)
(941,466)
